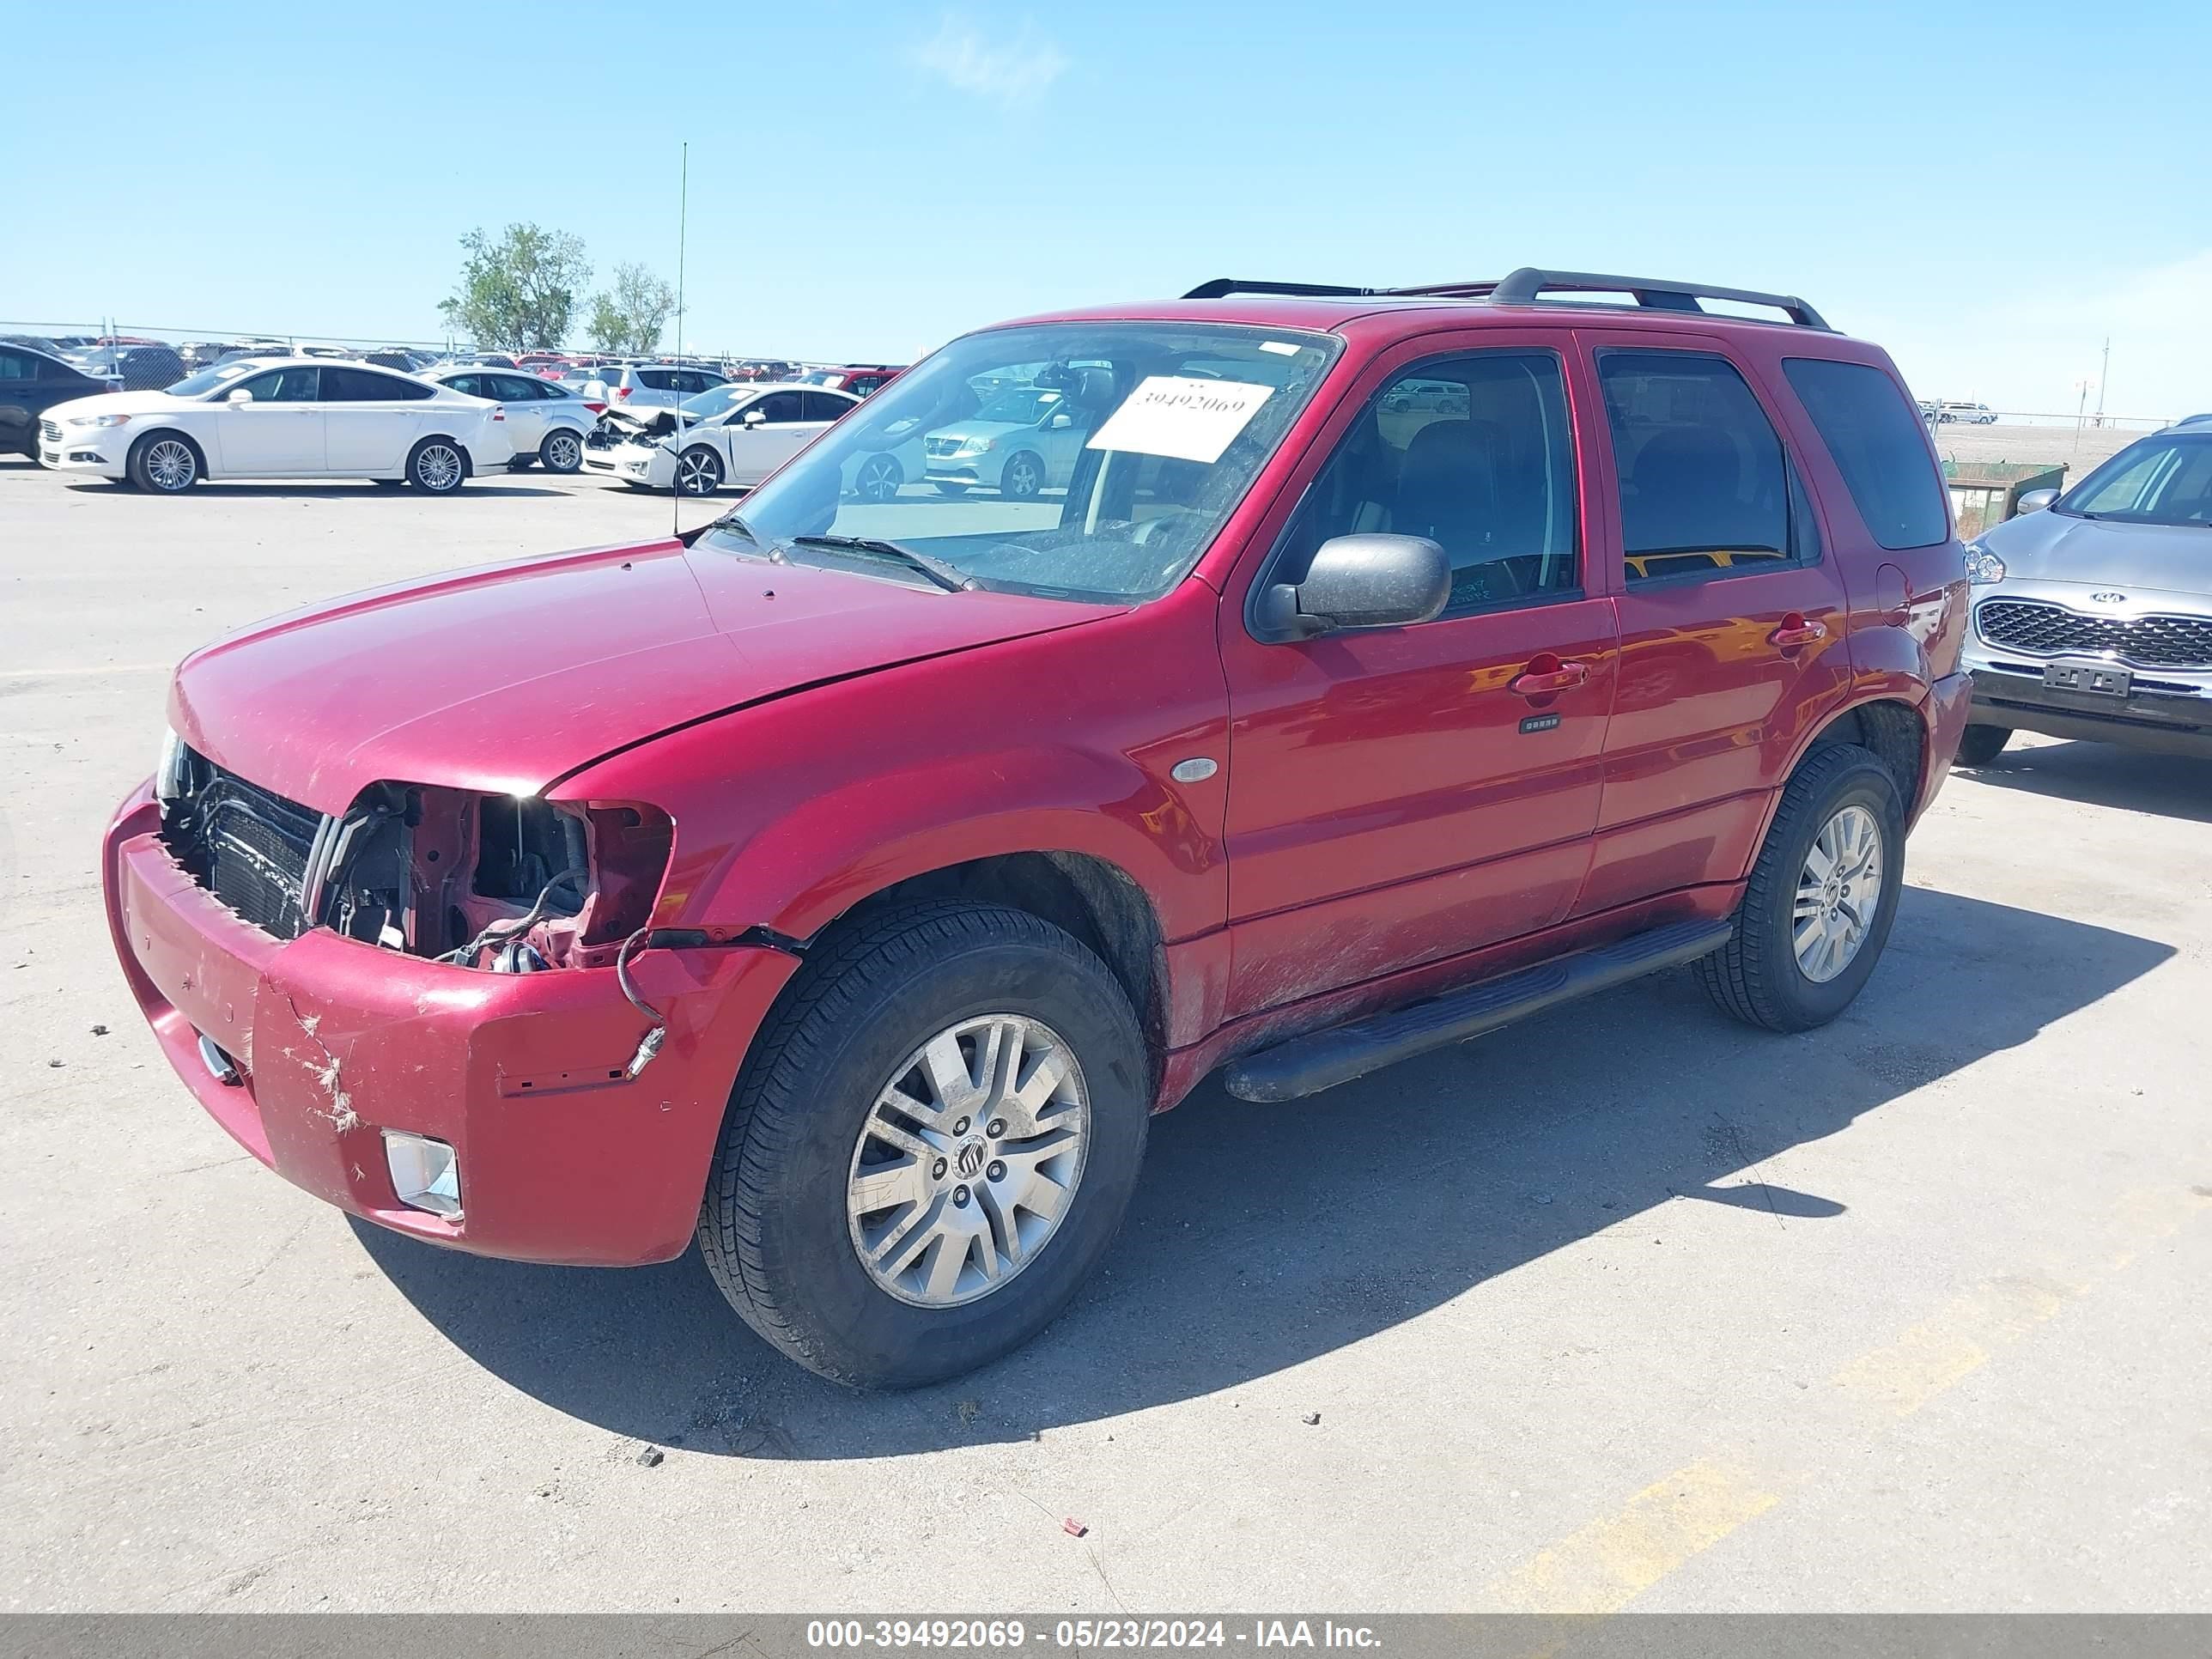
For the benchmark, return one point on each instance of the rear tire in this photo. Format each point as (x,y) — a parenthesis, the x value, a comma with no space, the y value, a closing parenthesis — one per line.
(437,467)
(1983,743)
(562,451)
(1762,976)
(778,1227)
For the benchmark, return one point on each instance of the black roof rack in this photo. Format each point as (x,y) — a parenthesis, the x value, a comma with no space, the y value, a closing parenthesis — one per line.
(1528,286)
(1222,287)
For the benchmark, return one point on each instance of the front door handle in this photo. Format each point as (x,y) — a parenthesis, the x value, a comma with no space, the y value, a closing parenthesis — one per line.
(1546,674)
(1796,629)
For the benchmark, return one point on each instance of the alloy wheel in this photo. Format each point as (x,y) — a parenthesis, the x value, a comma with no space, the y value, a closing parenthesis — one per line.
(438,467)
(1838,892)
(170,464)
(698,473)
(562,453)
(970,1159)
(879,479)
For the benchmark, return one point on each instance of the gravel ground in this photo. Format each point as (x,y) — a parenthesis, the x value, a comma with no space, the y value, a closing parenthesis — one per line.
(1627,1307)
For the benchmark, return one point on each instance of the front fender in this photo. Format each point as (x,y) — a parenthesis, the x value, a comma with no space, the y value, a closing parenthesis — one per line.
(792,810)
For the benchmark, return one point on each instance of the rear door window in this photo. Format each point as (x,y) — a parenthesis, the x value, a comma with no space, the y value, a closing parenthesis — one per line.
(655,379)
(1874,436)
(360,386)
(1705,487)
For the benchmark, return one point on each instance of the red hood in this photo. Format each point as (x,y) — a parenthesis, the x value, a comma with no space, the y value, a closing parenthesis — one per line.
(506,678)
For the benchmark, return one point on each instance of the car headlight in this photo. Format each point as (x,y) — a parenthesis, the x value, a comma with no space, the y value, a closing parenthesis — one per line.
(169,770)
(1983,566)
(100,420)
(976,446)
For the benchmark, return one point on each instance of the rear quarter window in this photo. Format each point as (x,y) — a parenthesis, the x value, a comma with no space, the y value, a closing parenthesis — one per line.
(1875,439)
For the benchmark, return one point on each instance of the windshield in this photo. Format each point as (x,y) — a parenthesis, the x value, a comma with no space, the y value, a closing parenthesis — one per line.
(208,380)
(1131,444)
(2166,479)
(713,400)
(1020,407)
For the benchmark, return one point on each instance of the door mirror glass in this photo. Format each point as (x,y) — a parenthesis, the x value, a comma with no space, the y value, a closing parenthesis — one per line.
(2034,501)
(1359,581)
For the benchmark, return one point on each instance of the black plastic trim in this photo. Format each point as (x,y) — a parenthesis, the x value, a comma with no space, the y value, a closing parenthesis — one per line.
(1306,1065)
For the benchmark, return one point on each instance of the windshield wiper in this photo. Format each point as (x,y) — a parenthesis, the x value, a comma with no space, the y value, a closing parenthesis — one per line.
(735,523)
(950,577)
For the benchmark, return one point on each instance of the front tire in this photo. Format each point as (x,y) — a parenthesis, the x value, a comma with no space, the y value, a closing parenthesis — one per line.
(698,472)
(1819,906)
(878,479)
(164,464)
(1980,745)
(1022,477)
(436,466)
(931,1145)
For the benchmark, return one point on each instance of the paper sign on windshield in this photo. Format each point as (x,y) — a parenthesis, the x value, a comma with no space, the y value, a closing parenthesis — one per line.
(1180,416)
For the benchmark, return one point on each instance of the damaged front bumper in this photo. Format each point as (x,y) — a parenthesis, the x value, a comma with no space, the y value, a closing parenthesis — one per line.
(564,1157)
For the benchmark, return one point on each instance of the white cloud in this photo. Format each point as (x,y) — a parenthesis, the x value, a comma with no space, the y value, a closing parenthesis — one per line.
(1011,70)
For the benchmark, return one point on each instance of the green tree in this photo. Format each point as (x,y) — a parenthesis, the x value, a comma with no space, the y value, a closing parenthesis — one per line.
(519,293)
(629,316)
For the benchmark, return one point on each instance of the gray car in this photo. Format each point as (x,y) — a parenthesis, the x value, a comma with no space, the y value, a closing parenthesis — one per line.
(2093,617)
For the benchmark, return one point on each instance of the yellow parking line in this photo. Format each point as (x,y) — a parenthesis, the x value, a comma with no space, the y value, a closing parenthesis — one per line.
(1939,1352)
(1609,1563)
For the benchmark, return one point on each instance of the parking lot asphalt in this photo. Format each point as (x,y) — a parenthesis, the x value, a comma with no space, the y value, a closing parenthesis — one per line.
(1628,1307)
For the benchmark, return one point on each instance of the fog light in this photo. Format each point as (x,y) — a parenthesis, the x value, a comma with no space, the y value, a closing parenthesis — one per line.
(425,1173)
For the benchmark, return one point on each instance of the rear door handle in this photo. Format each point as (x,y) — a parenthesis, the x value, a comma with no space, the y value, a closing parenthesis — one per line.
(1547,674)
(1797,630)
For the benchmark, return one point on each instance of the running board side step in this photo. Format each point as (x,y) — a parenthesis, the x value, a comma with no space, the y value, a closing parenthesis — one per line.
(1306,1065)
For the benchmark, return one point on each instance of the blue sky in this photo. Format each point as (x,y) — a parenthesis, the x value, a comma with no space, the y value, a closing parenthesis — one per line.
(1987,189)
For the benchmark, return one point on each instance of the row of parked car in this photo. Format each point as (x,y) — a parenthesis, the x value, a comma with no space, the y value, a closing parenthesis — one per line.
(649,424)
(287,412)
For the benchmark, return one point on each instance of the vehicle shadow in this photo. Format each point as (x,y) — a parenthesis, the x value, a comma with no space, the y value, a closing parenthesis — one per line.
(475,489)
(1263,1235)
(2105,774)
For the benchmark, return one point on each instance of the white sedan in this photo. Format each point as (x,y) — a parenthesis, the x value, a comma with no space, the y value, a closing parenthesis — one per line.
(763,427)
(546,421)
(284,419)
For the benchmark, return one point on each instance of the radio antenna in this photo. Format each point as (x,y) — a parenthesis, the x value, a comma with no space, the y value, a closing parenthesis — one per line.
(682,216)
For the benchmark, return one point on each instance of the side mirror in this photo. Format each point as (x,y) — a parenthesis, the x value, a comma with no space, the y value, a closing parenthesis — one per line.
(1059,422)
(1359,582)
(753,417)
(238,394)
(2034,501)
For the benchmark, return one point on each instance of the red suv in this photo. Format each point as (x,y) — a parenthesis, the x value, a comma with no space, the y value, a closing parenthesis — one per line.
(844,884)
